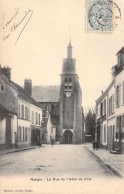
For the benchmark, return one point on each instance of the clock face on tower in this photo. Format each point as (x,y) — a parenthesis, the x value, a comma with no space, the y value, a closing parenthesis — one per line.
(68,94)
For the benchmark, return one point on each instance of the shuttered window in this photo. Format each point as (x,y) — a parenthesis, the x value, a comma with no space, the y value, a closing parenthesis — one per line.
(118,91)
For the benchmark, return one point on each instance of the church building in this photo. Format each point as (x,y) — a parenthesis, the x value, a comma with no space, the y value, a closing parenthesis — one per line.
(64,104)
(70,102)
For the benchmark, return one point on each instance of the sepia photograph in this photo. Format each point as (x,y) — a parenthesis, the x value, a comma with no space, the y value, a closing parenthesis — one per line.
(61,96)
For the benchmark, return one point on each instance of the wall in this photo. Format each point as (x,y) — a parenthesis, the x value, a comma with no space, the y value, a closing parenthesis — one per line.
(9,96)
(14,128)
(118,81)
(2,130)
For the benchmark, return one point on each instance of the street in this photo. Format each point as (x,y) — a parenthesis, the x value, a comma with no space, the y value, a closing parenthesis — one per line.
(48,161)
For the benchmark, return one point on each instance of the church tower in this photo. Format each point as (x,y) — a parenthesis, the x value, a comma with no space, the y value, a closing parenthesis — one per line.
(70,102)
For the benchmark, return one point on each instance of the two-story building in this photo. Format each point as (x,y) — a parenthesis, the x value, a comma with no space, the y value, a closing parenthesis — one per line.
(110,110)
(118,74)
(20,114)
(102,118)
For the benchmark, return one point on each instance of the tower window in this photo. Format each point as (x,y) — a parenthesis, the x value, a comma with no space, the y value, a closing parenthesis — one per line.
(66,80)
(70,80)
(2,88)
(70,87)
(66,87)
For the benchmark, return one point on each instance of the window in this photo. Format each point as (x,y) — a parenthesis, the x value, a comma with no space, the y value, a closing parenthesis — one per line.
(39,119)
(101,109)
(118,130)
(22,111)
(19,110)
(22,133)
(26,113)
(29,114)
(105,107)
(118,96)
(113,103)
(118,60)
(36,118)
(25,136)
(110,106)
(66,80)
(32,117)
(19,133)
(104,133)
(2,87)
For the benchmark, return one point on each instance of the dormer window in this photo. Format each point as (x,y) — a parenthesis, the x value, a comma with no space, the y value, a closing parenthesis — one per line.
(119,61)
(2,87)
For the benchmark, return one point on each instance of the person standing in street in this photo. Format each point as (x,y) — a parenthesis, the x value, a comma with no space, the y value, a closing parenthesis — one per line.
(52,140)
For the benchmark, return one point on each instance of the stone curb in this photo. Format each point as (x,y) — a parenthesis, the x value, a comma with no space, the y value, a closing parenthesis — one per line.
(104,164)
(19,150)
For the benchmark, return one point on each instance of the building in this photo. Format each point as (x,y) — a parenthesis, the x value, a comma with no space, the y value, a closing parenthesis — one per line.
(105,117)
(110,110)
(70,102)
(64,104)
(20,115)
(8,113)
(118,74)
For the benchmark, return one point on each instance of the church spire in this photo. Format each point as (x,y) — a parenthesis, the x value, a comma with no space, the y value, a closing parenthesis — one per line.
(69,50)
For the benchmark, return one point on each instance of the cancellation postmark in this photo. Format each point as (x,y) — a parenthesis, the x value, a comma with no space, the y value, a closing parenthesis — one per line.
(102,15)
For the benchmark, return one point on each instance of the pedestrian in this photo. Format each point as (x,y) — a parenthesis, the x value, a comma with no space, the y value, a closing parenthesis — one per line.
(52,141)
(39,143)
(94,145)
(97,145)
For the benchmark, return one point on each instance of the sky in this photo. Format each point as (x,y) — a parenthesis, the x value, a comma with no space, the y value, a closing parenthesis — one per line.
(36,35)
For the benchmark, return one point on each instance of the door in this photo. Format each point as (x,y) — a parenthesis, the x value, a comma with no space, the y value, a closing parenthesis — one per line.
(8,132)
(68,137)
(36,134)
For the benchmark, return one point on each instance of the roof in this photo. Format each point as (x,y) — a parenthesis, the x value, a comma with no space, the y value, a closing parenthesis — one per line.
(55,120)
(120,51)
(23,94)
(105,92)
(4,111)
(46,93)
(69,66)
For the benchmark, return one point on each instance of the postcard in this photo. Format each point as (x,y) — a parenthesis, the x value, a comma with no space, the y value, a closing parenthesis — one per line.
(61,96)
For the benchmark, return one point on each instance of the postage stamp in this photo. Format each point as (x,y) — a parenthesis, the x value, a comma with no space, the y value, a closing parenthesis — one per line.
(102,15)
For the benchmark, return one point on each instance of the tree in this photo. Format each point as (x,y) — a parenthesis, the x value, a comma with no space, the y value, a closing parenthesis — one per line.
(90,124)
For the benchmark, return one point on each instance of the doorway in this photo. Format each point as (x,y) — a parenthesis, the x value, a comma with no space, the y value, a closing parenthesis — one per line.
(67,137)
(8,140)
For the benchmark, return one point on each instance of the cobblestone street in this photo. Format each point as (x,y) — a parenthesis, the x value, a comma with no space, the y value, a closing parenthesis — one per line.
(57,161)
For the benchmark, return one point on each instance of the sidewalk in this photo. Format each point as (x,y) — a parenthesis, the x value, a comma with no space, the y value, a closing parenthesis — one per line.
(11,150)
(114,162)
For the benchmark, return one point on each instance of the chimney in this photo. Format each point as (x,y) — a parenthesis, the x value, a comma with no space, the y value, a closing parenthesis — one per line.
(6,71)
(28,86)
(120,57)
